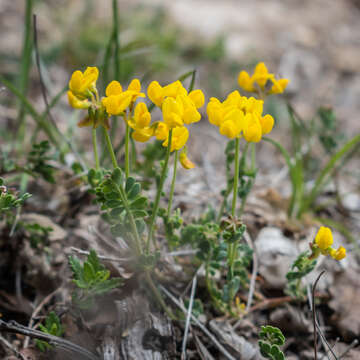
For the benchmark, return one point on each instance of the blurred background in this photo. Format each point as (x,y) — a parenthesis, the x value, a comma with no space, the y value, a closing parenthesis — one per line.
(316,44)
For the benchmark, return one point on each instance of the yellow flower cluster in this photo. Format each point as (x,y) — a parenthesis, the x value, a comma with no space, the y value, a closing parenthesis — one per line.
(179,108)
(240,116)
(259,80)
(323,242)
(81,87)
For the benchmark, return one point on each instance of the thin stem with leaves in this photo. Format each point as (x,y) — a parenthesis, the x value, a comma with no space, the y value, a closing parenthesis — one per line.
(172,189)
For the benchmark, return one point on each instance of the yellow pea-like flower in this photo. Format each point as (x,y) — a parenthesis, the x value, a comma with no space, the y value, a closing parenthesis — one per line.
(190,113)
(114,88)
(279,86)
(135,85)
(245,81)
(233,124)
(214,111)
(83,84)
(143,134)
(338,254)
(174,89)
(252,129)
(185,161)
(155,93)
(324,238)
(142,116)
(161,131)
(267,123)
(230,129)
(261,75)
(179,138)
(76,103)
(254,106)
(173,112)
(197,97)
(116,104)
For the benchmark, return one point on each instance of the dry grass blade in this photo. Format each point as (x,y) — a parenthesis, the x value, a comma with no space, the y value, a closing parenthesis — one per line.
(201,326)
(188,316)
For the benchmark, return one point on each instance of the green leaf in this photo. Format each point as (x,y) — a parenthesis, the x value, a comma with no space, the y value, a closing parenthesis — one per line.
(134,191)
(130,181)
(116,212)
(264,348)
(94,261)
(117,176)
(139,202)
(139,213)
(89,272)
(113,203)
(112,195)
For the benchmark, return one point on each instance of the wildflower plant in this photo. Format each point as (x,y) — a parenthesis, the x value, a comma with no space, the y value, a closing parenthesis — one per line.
(132,216)
(306,261)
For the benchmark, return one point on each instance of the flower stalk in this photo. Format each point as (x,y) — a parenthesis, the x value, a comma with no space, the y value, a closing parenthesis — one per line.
(158,194)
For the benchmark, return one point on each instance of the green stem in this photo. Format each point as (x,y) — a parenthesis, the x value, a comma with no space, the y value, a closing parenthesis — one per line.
(243,165)
(325,172)
(96,155)
(124,200)
(158,194)
(127,153)
(223,204)
(236,178)
(158,296)
(172,184)
(116,39)
(232,246)
(25,69)
(110,149)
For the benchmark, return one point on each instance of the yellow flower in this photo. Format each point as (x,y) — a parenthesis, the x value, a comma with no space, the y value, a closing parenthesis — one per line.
(155,93)
(76,103)
(179,138)
(252,128)
(190,114)
(245,81)
(83,84)
(174,89)
(279,86)
(173,112)
(162,131)
(267,123)
(143,134)
(185,161)
(142,117)
(233,124)
(324,238)
(197,97)
(338,254)
(116,104)
(117,100)
(140,123)
(260,77)
(214,111)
